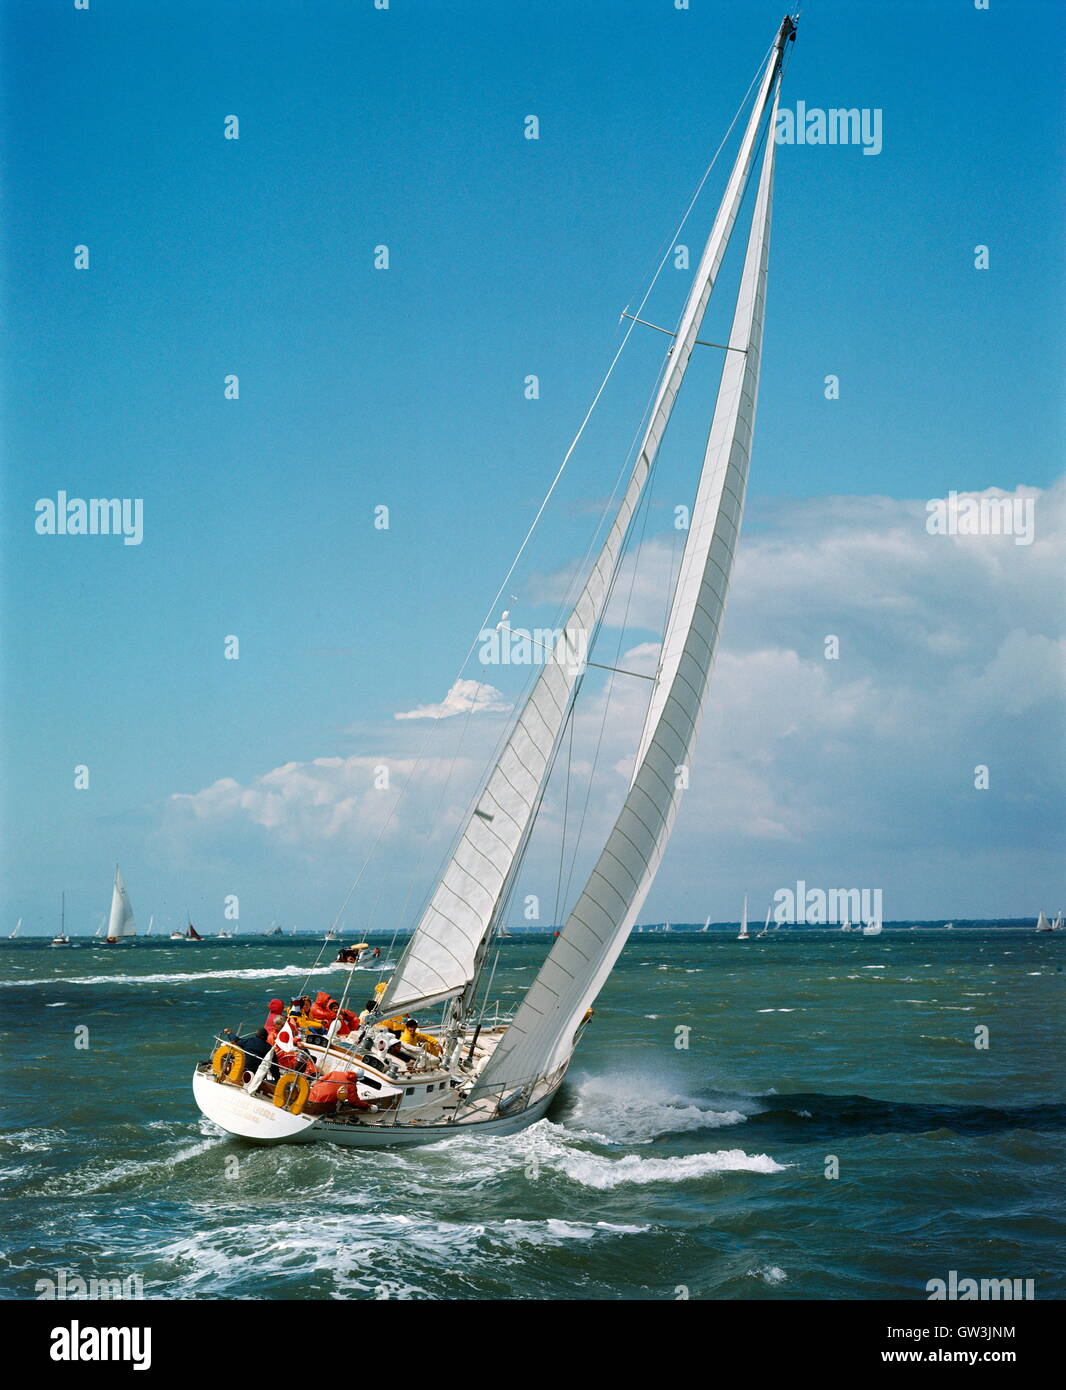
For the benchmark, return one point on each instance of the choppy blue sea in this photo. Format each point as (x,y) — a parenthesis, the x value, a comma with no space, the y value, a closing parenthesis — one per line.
(688,1153)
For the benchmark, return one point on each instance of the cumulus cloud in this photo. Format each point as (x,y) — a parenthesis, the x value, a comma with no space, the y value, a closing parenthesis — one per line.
(465,697)
(855,769)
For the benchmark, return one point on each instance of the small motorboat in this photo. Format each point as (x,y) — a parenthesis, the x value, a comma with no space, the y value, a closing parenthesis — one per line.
(348,957)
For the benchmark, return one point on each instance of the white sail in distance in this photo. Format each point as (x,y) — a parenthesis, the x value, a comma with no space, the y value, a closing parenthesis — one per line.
(121,922)
(539,1041)
(441,958)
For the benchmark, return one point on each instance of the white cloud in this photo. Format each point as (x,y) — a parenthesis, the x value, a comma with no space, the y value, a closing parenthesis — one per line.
(465,697)
(857,771)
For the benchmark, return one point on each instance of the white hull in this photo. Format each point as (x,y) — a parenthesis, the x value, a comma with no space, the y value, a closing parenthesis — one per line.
(262,1122)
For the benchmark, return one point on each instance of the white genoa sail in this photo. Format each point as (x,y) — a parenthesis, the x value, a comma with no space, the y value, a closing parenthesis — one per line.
(121,922)
(441,959)
(539,1040)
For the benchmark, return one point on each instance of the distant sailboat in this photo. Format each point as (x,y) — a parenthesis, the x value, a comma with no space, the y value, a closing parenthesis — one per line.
(151,924)
(191,934)
(872,929)
(846,925)
(1057,925)
(742,935)
(62,939)
(707,925)
(275,930)
(766,928)
(18,927)
(1042,923)
(120,924)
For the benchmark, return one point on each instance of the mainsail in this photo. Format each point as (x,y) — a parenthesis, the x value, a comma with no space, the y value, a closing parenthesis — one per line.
(442,957)
(539,1040)
(121,922)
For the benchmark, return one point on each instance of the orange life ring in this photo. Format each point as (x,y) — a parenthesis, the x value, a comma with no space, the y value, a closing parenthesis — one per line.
(227,1063)
(284,1089)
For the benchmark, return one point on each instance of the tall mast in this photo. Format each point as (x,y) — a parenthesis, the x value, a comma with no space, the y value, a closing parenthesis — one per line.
(538,1042)
(444,953)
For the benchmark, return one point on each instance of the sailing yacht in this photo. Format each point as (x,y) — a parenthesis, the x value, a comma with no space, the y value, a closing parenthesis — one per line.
(120,924)
(707,925)
(62,939)
(1042,923)
(872,929)
(766,927)
(478,1070)
(11,936)
(190,934)
(742,935)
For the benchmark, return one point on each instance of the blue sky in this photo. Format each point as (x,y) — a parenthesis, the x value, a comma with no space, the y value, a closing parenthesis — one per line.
(404,387)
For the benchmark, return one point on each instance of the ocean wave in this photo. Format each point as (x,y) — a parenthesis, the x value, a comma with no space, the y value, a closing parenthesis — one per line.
(176,977)
(591,1170)
(126,1174)
(632,1110)
(547,1148)
(355,1253)
(31,1140)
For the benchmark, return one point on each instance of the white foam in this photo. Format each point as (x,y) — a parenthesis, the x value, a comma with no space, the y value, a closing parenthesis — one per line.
(633,1109)
(347,1242)
(177,977)
(590,1170)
